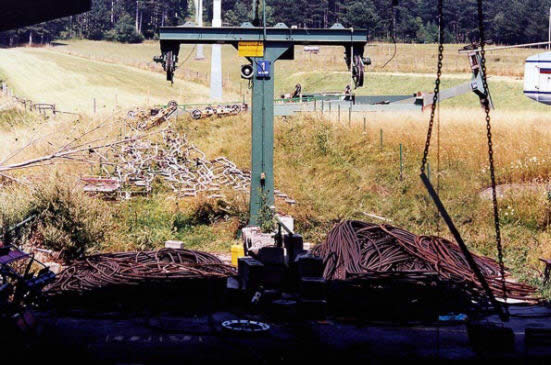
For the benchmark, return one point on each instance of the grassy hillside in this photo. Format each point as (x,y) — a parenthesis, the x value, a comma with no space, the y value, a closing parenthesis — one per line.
(337,172)
(334,171)
(72,83)
(411,70)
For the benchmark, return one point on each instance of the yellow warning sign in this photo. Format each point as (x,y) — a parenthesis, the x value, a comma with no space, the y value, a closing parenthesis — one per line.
(251,49)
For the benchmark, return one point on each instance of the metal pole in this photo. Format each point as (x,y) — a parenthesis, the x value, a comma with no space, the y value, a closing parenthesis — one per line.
(216,59)
(137,15)
(264,17)
(199,20)
(365,123)
(401,163)
(350,115)
(339,113)
(549,31)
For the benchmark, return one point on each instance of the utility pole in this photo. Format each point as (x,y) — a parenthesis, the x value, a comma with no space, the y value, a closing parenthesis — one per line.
(199,21)
(216,59)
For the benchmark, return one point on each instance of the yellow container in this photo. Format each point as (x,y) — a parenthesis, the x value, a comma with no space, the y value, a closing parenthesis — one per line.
(237,251)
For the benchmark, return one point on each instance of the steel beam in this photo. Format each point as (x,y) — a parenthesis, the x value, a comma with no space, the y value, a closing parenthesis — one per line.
(233,35)
(278,43)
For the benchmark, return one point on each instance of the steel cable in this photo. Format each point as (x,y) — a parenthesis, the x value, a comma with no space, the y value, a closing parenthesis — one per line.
(355,247)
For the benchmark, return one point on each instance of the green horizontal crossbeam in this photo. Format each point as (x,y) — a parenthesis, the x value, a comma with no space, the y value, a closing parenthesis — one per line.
(232,35)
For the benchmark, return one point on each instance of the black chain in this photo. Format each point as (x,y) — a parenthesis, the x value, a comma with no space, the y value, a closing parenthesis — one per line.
(486,104)
(436,96)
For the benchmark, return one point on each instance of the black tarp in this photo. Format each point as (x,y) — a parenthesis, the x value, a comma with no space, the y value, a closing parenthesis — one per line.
(21,13)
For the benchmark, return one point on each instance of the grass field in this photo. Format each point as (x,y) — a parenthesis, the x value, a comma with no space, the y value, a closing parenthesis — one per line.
(412,70)
(334,171)
(70,82)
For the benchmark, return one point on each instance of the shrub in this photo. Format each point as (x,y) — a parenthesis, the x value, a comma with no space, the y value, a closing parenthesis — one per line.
(69,221)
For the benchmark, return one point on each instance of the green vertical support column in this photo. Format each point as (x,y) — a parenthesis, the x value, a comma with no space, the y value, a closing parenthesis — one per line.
(262,152)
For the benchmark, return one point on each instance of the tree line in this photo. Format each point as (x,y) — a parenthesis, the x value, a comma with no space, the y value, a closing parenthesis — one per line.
(506,21)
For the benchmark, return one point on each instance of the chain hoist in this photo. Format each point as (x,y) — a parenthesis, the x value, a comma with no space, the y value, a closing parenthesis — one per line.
(503,313)
(486,104)
(436,95)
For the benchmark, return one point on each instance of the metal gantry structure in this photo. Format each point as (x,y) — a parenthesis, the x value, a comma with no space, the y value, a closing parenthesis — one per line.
(264,46)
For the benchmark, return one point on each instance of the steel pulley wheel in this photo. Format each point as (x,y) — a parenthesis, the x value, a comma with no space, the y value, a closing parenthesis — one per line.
(236,108)
(196,114)
(358,71)
(245,326)
(172,104)
(169,66)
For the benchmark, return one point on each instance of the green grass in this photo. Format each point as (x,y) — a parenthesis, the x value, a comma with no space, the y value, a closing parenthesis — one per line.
(146,223)
(507,95)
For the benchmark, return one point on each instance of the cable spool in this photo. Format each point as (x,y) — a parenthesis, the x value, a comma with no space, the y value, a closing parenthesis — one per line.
(247,71)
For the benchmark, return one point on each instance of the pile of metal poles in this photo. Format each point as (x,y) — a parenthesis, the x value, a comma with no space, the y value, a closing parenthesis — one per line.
(119,270)
(354,247)
(178,162)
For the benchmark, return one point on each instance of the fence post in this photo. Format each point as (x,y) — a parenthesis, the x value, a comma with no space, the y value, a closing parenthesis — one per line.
(381,139)
(315,104)
(401,163)
(350,115)
(365,124)
(322,106)
(339,105)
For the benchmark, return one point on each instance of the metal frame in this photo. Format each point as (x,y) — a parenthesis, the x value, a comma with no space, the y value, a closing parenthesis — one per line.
(278,42)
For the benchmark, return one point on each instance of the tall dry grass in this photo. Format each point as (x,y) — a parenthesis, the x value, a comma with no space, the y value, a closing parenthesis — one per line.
(336,171)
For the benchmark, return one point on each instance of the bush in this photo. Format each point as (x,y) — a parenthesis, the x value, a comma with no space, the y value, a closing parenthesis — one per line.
(69,221)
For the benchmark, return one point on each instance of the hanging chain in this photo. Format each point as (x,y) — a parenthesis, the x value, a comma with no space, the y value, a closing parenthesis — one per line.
(486,103)
(436,95)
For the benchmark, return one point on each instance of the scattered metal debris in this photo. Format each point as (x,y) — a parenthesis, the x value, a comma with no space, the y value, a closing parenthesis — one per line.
(146,119)
(131,169)
(22,279)
(219,111)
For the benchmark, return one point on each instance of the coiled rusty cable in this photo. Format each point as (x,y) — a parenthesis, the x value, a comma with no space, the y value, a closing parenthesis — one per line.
(138,268)
(355,247)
